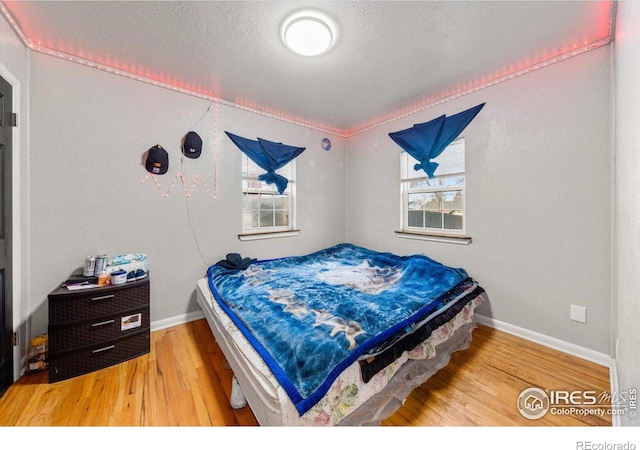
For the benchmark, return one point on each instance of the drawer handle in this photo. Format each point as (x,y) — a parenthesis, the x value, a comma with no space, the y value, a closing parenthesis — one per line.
(104,297)
(103,349)
(99,324)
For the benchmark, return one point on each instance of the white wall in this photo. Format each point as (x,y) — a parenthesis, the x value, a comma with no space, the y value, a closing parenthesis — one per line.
(539,176)
(14,68)
(627,197)
(89,132)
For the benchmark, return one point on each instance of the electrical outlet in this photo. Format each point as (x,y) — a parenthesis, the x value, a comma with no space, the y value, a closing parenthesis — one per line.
(578,313)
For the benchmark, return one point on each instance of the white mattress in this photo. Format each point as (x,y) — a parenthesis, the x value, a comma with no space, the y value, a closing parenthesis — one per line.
(268,400)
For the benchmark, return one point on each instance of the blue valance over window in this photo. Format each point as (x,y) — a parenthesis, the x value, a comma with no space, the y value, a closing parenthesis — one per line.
(425,141)
(270,156)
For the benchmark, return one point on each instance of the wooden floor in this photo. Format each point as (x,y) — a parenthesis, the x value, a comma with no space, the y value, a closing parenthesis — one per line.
(185,381)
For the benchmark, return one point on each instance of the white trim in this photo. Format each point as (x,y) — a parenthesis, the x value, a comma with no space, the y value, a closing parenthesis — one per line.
(613,380)
(16,214)
(176,320)
(462,240)
(275,234)
(406,160)
(556,344)
(290,193)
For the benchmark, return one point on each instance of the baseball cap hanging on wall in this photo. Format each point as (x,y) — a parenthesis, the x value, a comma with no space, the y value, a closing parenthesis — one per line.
(192,145)
(157,160)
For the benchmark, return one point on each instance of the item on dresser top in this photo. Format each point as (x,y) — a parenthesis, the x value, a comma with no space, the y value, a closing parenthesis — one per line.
(141,274)
(89,266)
(119,260)
(119,277)
(130,262)
(76,280)
(101,264)
(103,278)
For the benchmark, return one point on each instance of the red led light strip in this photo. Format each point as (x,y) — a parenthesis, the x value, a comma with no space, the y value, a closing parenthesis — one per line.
(431,102)
(448,97)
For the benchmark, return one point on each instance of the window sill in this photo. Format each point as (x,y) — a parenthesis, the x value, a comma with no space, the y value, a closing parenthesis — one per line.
(268,235)
(448,238)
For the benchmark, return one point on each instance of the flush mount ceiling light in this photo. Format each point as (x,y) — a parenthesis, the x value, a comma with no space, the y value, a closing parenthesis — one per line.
(307,34)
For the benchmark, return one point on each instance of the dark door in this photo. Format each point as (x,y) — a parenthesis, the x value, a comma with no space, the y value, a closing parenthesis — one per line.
(6,318)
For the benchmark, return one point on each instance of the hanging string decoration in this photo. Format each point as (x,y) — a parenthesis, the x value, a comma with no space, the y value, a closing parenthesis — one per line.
(189,187)
(188,192)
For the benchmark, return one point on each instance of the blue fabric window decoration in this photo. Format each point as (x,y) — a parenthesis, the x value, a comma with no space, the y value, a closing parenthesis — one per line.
(426,141)
(270,156)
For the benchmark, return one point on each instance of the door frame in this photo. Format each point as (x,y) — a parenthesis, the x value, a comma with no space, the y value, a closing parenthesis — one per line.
(20,324)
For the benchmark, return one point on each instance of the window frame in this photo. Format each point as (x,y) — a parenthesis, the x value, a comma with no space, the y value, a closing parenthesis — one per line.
(269,231)
(417,232)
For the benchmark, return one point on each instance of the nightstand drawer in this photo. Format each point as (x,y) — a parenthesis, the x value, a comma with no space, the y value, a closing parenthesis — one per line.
(98,302)
(90,332)
(63,365)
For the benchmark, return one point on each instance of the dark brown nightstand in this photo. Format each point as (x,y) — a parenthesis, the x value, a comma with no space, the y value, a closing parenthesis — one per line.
(90,329)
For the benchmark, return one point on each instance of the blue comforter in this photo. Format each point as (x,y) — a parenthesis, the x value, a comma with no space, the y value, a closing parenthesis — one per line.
(310,317)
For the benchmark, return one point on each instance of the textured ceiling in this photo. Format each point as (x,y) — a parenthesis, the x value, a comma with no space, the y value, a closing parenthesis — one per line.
(390,57)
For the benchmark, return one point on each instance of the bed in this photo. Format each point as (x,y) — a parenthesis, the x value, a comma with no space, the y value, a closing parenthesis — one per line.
(340,336)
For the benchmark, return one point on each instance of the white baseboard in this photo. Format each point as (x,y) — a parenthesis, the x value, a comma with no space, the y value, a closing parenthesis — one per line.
(176,320)
(613,379)
(566,347)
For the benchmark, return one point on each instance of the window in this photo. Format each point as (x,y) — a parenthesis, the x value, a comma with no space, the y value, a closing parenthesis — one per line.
(436,204)
(264,210)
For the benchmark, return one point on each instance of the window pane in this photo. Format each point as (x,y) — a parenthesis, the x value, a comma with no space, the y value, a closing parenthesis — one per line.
(451,200)
(245,201)
(281,202)
(254,184)
(266,202)
(451,160)
(247,219)
(432,200)
(453,220)
(250,169)
(285,171)
(416,219)
(266,218)
(245,162)
(282,218)
(253,201)
(454,180)
(403,165)
(435,203)
(415,201)
(267,187)
(432,219)
(419,184)
(262,205)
